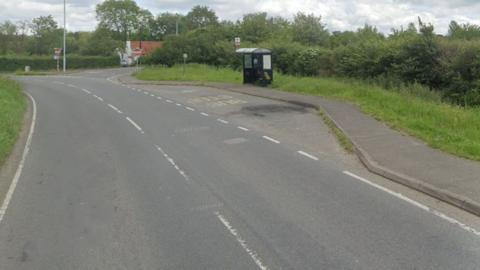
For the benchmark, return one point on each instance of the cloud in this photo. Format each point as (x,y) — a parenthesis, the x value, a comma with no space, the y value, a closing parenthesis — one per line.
(337,14)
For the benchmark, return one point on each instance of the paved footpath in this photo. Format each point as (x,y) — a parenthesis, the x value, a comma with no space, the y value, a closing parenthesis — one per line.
(383,150)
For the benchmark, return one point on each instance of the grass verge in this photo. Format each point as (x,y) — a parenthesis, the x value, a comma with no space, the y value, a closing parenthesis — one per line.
(12,108)
(341,137)
(414,109)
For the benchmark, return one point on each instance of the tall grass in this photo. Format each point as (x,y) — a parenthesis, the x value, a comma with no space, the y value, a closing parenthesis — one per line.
(12,108)
(412,109)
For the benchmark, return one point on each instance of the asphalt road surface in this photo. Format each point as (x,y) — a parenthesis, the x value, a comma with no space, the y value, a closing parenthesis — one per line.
(125,178)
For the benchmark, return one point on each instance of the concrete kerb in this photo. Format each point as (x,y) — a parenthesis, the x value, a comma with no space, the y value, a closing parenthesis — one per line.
(441,194)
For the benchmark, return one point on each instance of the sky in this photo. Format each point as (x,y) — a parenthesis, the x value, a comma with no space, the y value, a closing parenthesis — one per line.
(337,14)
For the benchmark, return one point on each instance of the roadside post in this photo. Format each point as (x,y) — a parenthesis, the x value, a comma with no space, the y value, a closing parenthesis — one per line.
(237,43)
(184,62)
(56,56)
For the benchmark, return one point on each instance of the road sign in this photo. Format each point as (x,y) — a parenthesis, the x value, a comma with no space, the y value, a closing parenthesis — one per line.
(185,56)
(237,42)
(56,56)
(137,52)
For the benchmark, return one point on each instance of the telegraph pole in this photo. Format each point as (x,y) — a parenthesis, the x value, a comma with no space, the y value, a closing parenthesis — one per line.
(64,36)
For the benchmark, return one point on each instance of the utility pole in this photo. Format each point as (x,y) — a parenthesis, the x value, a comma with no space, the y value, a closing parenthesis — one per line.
(176,26)
(64,36)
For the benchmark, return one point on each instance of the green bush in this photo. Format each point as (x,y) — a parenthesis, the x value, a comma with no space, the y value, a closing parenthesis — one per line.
(13,63)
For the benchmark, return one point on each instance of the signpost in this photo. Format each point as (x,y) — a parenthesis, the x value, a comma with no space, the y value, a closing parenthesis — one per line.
(237,43)
(184,61)
(137,53)
(56,56)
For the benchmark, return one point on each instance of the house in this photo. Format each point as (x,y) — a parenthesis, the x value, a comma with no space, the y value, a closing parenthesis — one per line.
(146,47)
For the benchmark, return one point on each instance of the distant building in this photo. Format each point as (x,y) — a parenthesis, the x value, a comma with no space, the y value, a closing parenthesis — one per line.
(147,47)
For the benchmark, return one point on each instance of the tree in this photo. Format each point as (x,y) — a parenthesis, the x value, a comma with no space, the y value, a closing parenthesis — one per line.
(463,31)
(201,17)
(166,24)
(309,29)
(255,27)
(100,42)
(7,35)
(123,17)
(46,35)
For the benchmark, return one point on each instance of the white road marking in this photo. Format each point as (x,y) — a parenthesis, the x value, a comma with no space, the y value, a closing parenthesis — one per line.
(18,172)
(57,82)
(307,155)
(159,97)
(190,109)
(204,114)
(86,91)
(71,85)
(178,104)
(97,97)
(255,257)
(169,101)
(243,128)
(180,171)
(152,95)
(114,108)
(145,92)
(135,125)
(415,203)
(270,139)
(222,121)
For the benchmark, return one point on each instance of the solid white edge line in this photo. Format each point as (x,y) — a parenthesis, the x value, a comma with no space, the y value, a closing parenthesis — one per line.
(18,172)
(253,255)
(415,203)
(134,124)
(222,121)
(307,155)
(243,128)
(270,139)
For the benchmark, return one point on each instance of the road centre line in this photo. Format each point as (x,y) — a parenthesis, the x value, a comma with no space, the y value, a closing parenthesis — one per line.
(222,121)
(86,91)
(159,97)
(190,109)
(254,255)
(204,114)
(97,97)
(270,139)
(180,171)
(18,172)
(114,108)
(169,101)
(135,125)
(415,203)
(307,155)
(243,128)
(145,92)
(178,104)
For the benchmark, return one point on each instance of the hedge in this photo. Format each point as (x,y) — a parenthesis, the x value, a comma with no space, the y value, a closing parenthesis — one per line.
(13,63)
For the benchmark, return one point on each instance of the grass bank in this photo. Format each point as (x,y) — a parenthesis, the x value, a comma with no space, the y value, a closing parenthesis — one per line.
(414,110)
(12,108)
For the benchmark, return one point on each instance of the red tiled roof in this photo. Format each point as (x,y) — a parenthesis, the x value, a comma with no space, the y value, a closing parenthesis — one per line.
(147,46)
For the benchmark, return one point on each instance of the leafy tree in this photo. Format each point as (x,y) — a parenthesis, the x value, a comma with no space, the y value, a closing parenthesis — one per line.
(166,24)
(100,42)
(463,31)
(255,27)
(200,17)
(7,36)
(308,29)
(123,17)
(46,35)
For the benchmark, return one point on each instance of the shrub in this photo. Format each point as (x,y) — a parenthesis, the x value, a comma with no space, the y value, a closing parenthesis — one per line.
(12,63)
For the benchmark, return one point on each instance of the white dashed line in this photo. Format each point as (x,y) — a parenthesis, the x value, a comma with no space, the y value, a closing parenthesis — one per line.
(169,101)
(152,95)
(135,125)
(222,121)
(71,85)
(307,155)
(114,108)
(204,114)
(178,104)
(86,91)
(243,128)
(415,203)
(255,257)
(18,172)
(145,92)
(190,109)
(97,97)
(180,171)
(159,97)
(270,139)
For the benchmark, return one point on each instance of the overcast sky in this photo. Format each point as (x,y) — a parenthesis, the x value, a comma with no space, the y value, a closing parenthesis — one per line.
(337,14)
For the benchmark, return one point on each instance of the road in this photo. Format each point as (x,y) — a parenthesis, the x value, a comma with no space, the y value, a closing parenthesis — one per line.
(120,177)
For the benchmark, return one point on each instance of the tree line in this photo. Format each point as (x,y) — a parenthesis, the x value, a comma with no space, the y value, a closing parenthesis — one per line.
(414,54)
